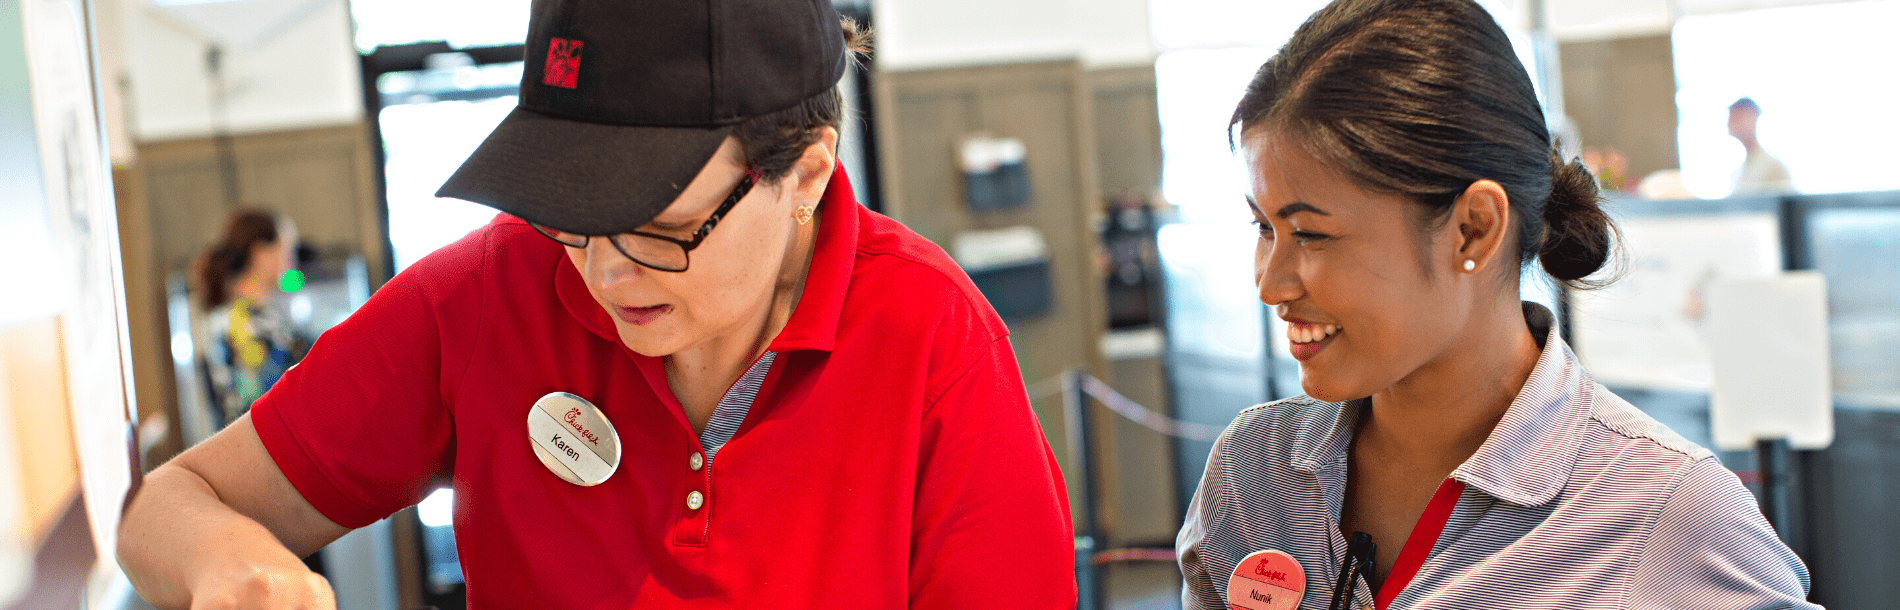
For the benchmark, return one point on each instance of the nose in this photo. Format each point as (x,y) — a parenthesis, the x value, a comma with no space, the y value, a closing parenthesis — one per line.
(606,266)
(1274,273)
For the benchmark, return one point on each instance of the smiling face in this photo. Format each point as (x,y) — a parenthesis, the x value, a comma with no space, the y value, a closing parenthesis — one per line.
(728,291)
(1348,270)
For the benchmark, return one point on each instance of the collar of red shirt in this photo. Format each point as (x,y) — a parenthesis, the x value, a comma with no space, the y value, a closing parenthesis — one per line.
(814,324)
(1528,458)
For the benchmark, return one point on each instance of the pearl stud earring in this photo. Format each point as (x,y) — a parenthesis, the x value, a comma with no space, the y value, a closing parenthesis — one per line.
(1470,265)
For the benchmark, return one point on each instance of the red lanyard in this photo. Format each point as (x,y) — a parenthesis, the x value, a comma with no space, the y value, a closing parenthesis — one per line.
(1419,545)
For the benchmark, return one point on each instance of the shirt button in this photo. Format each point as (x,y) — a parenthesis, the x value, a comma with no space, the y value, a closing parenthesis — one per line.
(697,461)
(694,500)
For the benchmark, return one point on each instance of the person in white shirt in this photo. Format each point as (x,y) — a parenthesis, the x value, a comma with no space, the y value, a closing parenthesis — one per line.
(1761,173)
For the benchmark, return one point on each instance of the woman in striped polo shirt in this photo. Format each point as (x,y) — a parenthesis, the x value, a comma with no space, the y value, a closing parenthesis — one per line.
(1403,178)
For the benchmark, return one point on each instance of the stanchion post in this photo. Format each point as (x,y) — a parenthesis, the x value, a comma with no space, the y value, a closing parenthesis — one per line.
(1088,533)
(1771,462)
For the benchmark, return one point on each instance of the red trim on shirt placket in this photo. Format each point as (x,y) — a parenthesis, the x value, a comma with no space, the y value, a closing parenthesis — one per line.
(1419,545)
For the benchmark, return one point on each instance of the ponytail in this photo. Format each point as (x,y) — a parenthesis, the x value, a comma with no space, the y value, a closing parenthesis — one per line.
(231,255)
(1577,232)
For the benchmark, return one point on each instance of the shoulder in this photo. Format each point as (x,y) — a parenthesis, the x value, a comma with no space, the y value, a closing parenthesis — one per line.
(1280,432)
(1622,427)
(1711,547)
(905,281)
(467,267)
(1628,460)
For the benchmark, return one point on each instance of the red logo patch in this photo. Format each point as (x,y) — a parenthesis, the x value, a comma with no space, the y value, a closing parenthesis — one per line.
(564,63)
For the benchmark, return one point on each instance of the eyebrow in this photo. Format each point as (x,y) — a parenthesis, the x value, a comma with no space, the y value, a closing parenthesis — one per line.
(1297,207)
(1287,210)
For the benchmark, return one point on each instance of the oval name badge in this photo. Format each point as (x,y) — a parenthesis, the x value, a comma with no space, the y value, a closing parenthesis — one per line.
(1266,580)
(573,439)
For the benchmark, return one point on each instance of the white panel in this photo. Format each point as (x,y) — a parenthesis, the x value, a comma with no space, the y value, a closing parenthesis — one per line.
(1769,341)
(1650,329)
(78,191)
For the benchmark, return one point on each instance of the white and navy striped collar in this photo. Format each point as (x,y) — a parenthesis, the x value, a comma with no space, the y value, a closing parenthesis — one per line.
(1526,459)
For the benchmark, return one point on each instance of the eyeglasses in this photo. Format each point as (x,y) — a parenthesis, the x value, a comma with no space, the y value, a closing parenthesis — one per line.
(655,251)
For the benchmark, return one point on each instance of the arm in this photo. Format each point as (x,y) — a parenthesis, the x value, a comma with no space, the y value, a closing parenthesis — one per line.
(1197,581)
(1711,548)
(990,527)
(220,527)
(353,433)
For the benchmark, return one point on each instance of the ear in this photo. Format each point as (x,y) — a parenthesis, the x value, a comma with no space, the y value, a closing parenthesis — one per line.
(812,172)
(1483,217)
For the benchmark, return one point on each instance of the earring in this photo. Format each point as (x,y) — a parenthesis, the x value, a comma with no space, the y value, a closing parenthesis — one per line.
(1470,265)
(803,213)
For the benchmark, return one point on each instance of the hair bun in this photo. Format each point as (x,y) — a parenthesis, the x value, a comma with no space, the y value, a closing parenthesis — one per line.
(1576,230)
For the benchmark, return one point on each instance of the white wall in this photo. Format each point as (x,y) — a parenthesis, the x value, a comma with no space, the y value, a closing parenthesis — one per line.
(914,34)
(288,66)
(1605,19)
(304,73)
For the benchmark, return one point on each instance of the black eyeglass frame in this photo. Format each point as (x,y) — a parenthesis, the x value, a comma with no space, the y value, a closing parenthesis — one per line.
(686,246)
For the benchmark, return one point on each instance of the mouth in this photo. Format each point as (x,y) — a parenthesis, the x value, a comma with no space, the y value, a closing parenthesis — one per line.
(641,316)
(1308,339)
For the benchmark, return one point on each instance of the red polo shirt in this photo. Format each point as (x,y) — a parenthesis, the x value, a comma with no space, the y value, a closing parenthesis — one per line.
(891,458)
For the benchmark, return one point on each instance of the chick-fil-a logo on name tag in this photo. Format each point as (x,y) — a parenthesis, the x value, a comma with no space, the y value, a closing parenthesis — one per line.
(1266,580)
(573,418)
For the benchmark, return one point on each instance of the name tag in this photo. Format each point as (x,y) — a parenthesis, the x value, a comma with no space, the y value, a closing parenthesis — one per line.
(1266,580)
(573,439)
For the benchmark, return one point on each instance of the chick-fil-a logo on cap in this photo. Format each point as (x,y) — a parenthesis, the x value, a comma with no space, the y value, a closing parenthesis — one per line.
(573,418)
(564,63)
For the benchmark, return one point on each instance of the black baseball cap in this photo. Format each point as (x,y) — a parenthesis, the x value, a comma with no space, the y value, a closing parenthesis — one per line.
(624,101)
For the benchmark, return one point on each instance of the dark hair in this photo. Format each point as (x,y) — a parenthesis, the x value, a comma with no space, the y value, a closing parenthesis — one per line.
(244,229)
(774,141)
(1422,98)
(1745,104)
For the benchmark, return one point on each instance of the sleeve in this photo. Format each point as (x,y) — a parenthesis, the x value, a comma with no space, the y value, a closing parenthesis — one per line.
(1197,588)
(990,526)
(361,426)
(1711,548)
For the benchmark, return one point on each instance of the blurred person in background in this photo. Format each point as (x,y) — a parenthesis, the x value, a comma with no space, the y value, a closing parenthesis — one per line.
(1761,173)
(252,339)
(1448,451)
(683,369)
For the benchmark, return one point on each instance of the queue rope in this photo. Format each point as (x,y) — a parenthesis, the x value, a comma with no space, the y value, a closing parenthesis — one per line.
(1126,407)
(1132,411)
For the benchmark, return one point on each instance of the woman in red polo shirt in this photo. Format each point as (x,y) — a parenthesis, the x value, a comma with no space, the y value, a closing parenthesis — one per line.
(684,370)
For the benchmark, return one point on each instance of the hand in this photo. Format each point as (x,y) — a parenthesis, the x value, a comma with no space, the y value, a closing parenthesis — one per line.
(292,587)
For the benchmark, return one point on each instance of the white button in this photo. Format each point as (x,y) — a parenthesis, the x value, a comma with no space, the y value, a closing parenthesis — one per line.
(694,500)
(698,461)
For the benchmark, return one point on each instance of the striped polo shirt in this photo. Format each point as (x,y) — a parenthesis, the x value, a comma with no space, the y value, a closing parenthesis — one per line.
(1576,500)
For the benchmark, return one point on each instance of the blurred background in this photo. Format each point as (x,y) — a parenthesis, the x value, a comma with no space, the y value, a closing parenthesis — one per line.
(1071,154)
